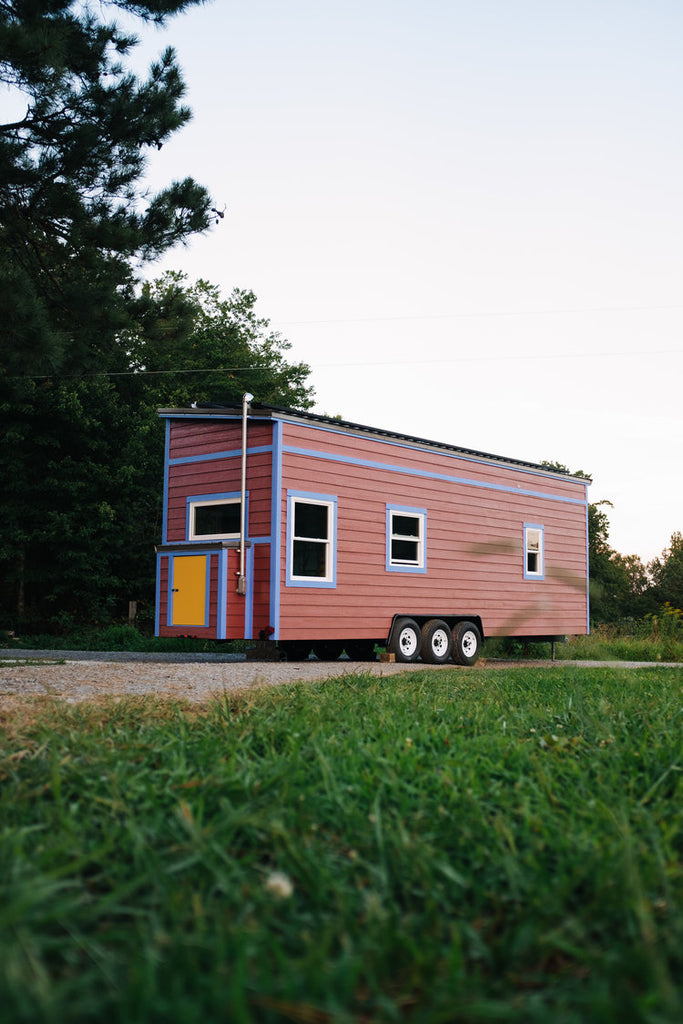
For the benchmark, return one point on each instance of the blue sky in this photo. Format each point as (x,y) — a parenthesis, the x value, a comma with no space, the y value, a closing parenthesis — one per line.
(466,217)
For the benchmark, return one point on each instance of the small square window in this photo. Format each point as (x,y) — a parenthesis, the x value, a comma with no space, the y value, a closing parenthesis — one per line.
(213,519)
(406,539)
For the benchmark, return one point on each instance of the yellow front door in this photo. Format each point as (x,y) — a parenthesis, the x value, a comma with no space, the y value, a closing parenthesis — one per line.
(189,590)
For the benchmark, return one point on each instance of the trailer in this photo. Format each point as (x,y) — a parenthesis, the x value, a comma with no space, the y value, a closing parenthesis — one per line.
(322,535)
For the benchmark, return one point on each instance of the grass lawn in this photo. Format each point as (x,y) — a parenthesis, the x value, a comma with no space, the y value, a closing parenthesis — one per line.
(445,846)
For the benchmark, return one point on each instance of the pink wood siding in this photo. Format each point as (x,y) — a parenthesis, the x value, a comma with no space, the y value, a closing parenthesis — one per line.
(207,632)
(474,540)
(475,516)
(192,437)
(217,475)
(191,441)
(261,597)
(162,595)
(235,603)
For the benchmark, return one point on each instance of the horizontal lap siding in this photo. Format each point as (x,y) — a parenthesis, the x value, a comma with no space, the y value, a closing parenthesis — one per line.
(218,475)
(261,598)
(162,594)
(193,437)
(234,619)
(196,475)
(395,452)
(474,541)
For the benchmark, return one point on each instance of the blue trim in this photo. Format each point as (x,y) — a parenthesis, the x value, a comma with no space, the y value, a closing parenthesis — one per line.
(276,527)
(422,513)
(167,450)
(278,415)
(157,598)
(407,471)
(420,444)
(207,596)
(232,453)
(210,415)
(222,595)
(225,496)
(330,500)
(249,595)
(534,575)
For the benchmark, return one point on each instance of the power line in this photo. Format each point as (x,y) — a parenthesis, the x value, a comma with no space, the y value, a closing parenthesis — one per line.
(497,357)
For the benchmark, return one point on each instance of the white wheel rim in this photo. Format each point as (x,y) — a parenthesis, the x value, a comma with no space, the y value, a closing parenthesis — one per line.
(440,642)
(468,643)
(407,641)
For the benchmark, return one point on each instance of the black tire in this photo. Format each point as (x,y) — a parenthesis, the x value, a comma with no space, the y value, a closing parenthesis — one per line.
(436,642)
(406,640)
(466,643)
(328,650)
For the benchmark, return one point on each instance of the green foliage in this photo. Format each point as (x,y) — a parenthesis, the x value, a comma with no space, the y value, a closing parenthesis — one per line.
(196,345)
(432,847)
(79,516)
(76,224)
(656,637)
(74,213)
(620,585)
(83,457)
(118,638)
(667,573)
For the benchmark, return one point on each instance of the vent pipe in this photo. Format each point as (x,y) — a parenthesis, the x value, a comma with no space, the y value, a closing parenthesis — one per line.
(241,581)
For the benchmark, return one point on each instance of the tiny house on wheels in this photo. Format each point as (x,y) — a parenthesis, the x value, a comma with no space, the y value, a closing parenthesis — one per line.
(323,535)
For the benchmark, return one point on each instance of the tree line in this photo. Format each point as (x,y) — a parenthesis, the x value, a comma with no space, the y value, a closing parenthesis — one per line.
(92,349)
(623,586)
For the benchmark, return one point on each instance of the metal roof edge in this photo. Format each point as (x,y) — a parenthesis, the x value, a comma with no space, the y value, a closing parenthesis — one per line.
(259,410)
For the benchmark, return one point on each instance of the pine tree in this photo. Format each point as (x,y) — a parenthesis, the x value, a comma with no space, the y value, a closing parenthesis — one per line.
(74,218)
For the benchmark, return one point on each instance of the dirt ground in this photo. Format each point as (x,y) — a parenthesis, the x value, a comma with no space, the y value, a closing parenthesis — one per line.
(75,679)
(83,676)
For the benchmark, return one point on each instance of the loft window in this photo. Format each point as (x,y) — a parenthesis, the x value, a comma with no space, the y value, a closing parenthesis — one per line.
(311,541)
(406,539)
(214,519)
(534,564)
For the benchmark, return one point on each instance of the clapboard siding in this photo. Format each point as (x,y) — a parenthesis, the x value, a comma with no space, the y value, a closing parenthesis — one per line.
(220,476)
(422,460)
(476,507)
(203,438)
(475,538)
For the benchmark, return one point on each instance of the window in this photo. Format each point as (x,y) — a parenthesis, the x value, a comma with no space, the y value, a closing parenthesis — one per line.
(533,552)
(311,542)
(213,518)
(406,539)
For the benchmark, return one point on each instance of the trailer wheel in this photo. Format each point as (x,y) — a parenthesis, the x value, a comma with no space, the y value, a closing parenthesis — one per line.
(406,640)
(436,642)
(466,643)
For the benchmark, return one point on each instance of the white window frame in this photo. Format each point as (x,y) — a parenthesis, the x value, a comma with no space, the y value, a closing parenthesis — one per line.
(202,501)
(407,565)
(328,501)
(534,544)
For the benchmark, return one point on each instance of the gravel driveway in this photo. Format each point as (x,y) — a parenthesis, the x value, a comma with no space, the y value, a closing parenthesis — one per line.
(76,676)
(79,675)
